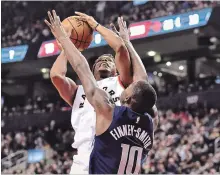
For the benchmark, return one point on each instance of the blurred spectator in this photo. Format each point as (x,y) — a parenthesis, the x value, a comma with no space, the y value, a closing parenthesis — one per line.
(40,139)
(179,146)
(185,148)
(22,22)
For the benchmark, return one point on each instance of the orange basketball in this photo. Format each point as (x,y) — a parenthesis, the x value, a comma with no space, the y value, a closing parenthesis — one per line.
(81,32)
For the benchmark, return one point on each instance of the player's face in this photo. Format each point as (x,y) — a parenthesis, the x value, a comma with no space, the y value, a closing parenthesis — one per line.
(104,68)
(126,95)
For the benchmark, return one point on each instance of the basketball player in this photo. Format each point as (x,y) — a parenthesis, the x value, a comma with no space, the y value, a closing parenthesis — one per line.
(82,113)
(119,130)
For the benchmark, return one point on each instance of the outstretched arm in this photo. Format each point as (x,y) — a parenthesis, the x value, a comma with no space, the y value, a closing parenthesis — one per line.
(122,59)
(65,86)
(139,72)
(97,97)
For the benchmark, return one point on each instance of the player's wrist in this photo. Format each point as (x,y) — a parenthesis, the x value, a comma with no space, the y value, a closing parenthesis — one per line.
(62,38)
(126,41)
(96,26)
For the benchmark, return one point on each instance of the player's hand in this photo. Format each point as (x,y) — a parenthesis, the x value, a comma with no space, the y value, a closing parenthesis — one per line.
(89,19)
(123,32)
(56,26)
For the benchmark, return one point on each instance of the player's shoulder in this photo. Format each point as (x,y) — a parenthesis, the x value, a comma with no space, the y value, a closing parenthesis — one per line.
(80,89)
(120,110)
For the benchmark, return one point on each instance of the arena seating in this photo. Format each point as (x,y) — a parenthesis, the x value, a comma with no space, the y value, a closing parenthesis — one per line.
(185,137)
(22,22)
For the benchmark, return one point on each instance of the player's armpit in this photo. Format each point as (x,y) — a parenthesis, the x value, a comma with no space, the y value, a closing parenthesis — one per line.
(104,108)
(102,102)
(66,87)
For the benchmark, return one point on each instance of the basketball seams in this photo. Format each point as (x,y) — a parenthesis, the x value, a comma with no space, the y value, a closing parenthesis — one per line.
(79,40)
(91,31)
(84,43)
(82,36)
(74,30)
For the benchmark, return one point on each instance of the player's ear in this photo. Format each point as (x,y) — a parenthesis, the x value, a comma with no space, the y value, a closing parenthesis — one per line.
(127,100)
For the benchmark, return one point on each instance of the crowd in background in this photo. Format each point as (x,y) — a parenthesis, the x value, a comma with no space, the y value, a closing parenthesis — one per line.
(177,87)
(37,105)
(184,143)
(59,139)
(44,104)
(22,21)
(184,140)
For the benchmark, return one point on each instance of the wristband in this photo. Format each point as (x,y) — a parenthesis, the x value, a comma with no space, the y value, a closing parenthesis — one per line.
(96,26)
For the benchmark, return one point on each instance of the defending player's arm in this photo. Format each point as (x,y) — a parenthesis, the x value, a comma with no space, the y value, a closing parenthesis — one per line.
(122,59)
(97,97)
(155,117)
(66,87)
(139,71)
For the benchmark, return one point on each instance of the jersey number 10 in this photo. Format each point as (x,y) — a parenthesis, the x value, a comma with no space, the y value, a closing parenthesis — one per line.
(127,158)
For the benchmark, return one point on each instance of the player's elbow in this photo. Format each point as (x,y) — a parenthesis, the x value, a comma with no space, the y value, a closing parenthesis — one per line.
(55,77)
(53,74)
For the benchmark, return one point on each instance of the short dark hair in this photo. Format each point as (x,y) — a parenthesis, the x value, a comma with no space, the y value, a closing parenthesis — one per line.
(100,57)
(144,97)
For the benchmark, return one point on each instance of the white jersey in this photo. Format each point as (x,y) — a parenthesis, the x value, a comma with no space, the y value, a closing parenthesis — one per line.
(83,118)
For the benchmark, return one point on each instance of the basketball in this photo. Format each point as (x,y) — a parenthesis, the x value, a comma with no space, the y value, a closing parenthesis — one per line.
(81,32)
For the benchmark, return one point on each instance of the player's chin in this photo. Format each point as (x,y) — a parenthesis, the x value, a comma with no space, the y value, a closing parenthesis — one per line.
(104,69)
(104,73)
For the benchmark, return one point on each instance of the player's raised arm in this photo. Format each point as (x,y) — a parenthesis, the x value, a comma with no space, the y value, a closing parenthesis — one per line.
(122,59)
(139,72)
(65,86)
(97,97)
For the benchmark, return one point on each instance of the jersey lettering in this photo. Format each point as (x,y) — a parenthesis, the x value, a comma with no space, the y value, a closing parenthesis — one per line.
(111,92)
(81,105)
(115,99)
(127,158)
(84,97)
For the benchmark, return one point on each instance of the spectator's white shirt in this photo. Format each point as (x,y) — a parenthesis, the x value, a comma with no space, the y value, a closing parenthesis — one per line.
(83,118)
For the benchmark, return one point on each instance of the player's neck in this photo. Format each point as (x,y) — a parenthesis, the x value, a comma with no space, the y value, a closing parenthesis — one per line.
(134,110)
(99,78)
